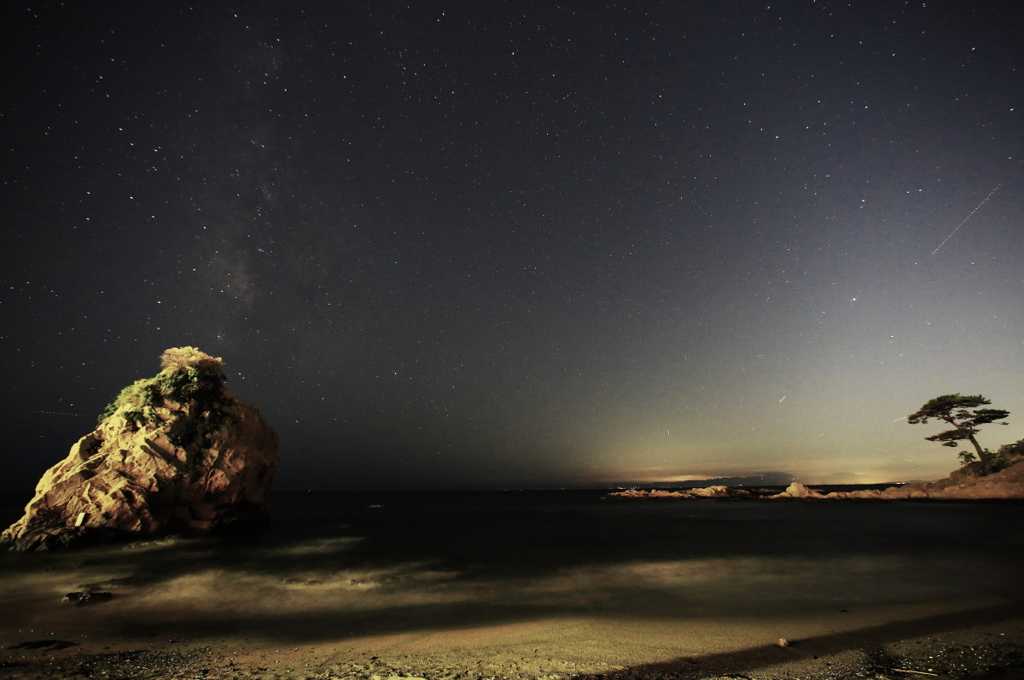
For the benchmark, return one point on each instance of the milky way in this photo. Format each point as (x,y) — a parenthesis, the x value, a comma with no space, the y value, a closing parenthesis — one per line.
(499,244)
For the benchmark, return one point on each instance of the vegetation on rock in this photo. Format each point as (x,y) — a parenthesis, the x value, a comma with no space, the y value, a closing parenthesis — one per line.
(188,375)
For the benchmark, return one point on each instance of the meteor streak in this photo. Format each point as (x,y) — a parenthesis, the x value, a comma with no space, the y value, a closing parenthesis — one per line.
(983,202)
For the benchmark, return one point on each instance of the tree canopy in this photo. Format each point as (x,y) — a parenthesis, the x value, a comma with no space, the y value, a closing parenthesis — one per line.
(964,414)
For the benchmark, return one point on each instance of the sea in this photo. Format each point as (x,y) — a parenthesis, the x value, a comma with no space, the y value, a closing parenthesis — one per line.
(509,530)
(581,553)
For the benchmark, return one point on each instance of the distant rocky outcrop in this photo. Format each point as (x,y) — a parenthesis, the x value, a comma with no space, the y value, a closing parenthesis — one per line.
(172,454)
(967,483)
(717,491)
(798,490)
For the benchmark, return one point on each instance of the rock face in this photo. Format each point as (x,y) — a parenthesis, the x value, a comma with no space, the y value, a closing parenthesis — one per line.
(172,454)
(798,490)
(962,484)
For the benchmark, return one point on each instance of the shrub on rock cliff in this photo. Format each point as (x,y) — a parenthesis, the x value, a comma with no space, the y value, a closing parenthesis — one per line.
(172,453)
(187,375)
(1007,455)
(191,359)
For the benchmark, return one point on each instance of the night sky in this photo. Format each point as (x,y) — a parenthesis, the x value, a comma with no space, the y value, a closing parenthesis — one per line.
(520,244)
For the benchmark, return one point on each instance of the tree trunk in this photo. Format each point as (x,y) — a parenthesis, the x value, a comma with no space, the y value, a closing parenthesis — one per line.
(982,456)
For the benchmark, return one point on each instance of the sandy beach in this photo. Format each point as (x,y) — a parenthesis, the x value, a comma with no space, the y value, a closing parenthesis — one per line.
(536,588)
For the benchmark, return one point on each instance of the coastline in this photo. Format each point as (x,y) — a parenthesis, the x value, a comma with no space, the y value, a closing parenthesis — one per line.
(967,483)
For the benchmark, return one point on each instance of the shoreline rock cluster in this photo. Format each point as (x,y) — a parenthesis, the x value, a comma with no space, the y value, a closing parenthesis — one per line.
(963,484)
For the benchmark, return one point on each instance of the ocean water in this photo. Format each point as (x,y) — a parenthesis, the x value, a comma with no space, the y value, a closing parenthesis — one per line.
(649,556)
(348,566)
(533,533)
(537,531)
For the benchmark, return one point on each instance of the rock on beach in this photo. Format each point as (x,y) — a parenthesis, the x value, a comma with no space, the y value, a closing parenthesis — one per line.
(174,454)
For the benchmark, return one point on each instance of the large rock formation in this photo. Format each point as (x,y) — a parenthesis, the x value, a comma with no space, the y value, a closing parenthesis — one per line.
(172,454)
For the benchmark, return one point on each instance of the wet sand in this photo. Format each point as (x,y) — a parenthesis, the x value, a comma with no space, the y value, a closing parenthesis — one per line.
(534,587)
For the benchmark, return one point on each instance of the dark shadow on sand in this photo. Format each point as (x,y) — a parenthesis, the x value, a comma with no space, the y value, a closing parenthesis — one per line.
(871,641)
